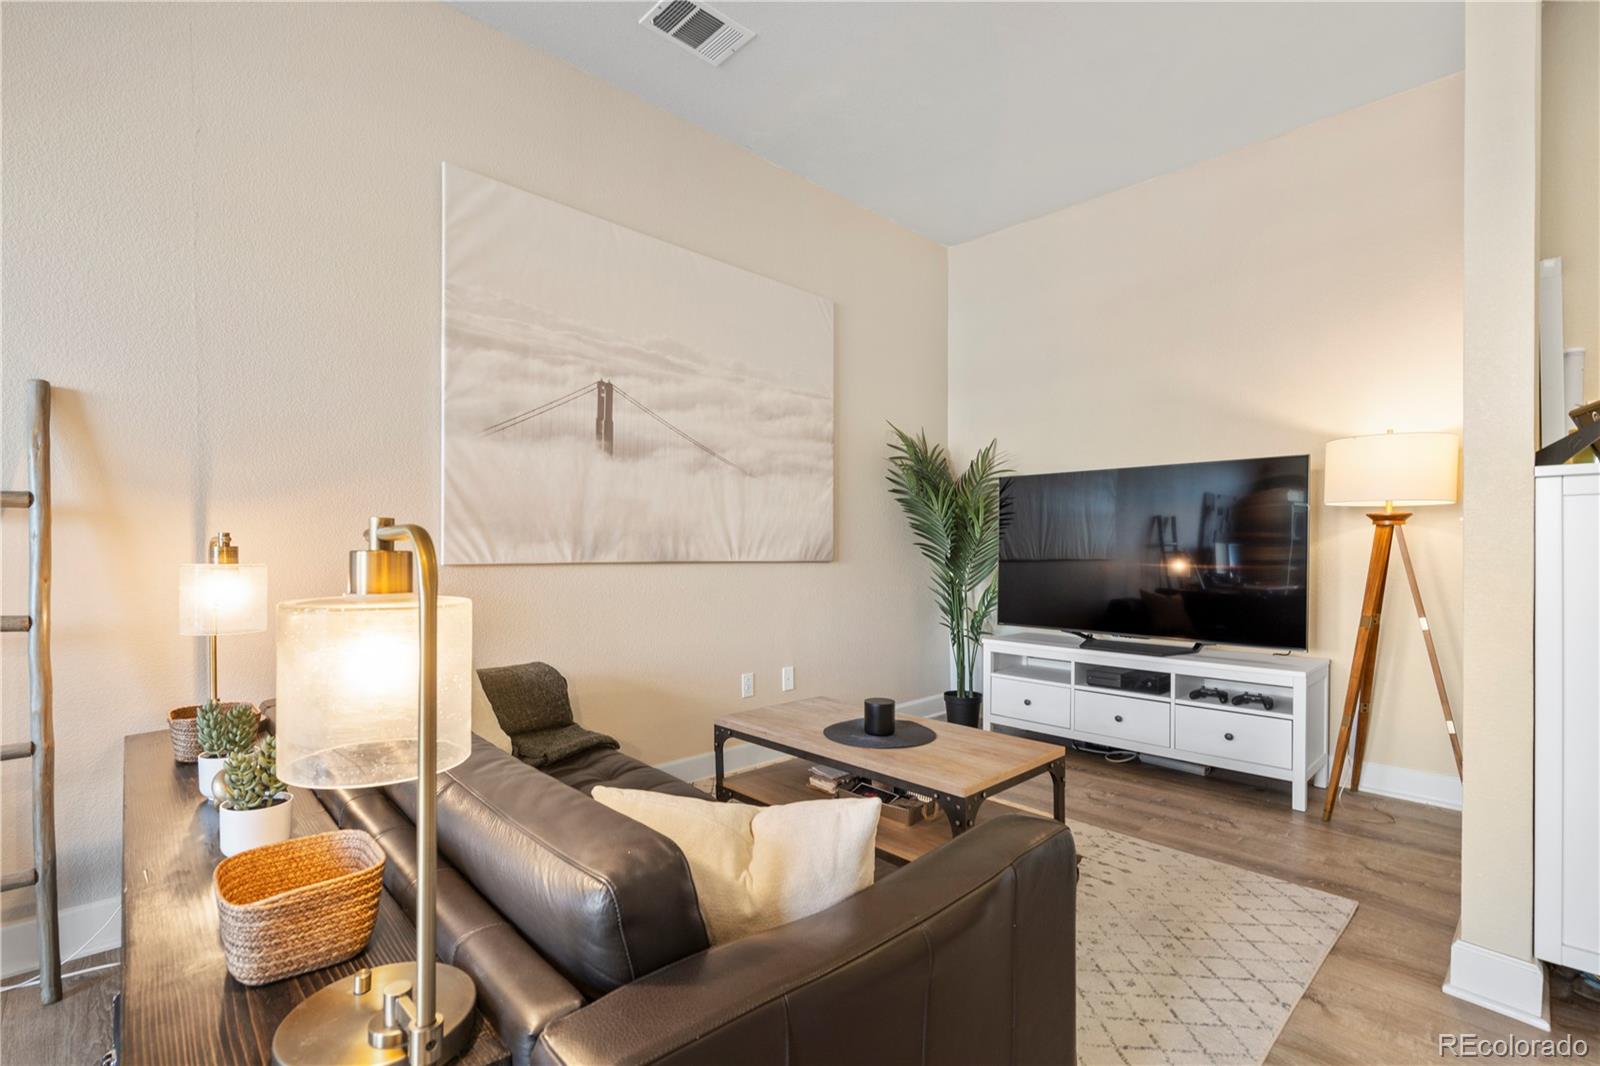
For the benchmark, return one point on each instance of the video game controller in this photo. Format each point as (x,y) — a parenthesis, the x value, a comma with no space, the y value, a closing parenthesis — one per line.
(1253,697)
(1203,692)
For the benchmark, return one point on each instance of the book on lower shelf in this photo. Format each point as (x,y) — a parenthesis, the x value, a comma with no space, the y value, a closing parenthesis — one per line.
(899,805)
(828,780)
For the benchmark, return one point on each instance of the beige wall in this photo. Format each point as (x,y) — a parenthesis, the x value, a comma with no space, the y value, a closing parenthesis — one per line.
(1501,189)
(1301,289)
(222,244)
(1569,169)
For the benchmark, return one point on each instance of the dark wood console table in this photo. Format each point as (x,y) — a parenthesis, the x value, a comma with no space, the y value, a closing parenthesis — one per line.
(178,1003)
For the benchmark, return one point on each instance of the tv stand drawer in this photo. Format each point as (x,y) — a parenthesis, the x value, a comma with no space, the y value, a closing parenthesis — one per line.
(1130,718)
(1030,701)
(1253,738)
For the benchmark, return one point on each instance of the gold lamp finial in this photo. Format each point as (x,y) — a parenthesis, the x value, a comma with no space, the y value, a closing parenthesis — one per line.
(223,550)
(379,568)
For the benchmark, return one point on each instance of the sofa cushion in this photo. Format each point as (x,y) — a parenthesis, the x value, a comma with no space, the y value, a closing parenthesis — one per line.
(604,767)
(605,899)
(530,702)
(756,868)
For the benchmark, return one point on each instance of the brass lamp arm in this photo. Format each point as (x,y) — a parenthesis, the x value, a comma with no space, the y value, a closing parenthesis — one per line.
(425,1031)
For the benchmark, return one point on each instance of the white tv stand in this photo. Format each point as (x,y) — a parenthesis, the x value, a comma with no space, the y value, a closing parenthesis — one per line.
(1041,682)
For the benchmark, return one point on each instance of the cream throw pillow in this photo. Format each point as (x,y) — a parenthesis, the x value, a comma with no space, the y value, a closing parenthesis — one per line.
(758,867)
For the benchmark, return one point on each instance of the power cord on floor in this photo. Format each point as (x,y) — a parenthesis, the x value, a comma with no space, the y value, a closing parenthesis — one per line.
(1111,755)
(30,982)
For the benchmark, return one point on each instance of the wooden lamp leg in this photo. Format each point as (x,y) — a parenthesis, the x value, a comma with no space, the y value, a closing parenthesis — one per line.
(1364,709)
(1358,692)
(1364,704)
(1433,652)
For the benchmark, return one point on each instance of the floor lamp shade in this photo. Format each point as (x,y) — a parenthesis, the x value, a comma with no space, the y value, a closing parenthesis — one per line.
(1412,469)
(221,599)
(347,689)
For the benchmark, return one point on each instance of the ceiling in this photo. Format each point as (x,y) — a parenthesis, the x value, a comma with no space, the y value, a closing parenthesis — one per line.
(959,119)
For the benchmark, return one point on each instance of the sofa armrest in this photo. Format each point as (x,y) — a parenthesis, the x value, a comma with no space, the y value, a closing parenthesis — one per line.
(518,991)
(964,956)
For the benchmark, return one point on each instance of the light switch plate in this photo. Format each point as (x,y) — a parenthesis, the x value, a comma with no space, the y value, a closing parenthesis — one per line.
(788,679)
(747,685)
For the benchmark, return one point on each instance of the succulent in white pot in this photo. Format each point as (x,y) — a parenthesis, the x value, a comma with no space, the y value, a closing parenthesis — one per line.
(222,729)
(254,808)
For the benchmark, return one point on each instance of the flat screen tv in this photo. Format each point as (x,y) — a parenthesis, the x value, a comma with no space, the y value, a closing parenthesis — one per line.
(1206,552)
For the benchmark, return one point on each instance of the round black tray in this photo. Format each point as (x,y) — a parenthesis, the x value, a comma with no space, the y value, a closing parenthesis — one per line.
(851,731)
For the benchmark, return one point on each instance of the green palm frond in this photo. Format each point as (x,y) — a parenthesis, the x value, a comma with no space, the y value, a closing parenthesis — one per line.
(956,522)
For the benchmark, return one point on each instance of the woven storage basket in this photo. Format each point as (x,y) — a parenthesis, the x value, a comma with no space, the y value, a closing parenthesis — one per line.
(183,728)
(299,905)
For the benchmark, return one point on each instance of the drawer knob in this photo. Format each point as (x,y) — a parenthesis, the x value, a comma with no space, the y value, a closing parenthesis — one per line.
(1227,736)
(1118,717)
(1027,703)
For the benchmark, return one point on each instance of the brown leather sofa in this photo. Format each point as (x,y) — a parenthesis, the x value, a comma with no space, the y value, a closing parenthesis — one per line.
(582,932)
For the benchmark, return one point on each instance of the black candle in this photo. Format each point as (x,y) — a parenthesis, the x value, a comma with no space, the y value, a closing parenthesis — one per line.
(879,717)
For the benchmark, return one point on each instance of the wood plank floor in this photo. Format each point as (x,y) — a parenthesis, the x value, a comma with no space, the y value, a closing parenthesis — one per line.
(75,1031)
(1377,998)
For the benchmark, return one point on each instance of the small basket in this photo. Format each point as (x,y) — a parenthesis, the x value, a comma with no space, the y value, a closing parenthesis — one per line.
(183,729)
(300,905)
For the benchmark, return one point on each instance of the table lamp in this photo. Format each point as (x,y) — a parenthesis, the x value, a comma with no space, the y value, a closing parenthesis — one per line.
(375,687)
(221,597)
(1412,470)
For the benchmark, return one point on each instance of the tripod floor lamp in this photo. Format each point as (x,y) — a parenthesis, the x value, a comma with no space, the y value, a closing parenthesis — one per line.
(1381,471)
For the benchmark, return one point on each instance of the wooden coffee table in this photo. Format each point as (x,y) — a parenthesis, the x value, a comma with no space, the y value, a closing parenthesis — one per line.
(960,769)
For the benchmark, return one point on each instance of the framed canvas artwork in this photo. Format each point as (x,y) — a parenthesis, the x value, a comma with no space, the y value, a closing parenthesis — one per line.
(610,397)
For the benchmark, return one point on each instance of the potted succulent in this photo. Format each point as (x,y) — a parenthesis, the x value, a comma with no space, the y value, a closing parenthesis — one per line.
(955,521)
(253,806)
(222,729)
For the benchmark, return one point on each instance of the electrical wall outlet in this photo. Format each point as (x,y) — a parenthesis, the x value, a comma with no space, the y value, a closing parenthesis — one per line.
(747,685)
(788,679)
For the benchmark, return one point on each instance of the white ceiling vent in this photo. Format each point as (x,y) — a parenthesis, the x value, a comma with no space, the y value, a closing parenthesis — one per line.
(709,34)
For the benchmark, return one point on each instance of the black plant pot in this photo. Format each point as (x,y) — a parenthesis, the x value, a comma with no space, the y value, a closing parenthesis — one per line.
(963,710)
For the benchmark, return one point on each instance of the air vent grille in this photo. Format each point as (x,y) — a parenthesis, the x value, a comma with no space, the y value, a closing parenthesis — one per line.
(704,31)
(665,16)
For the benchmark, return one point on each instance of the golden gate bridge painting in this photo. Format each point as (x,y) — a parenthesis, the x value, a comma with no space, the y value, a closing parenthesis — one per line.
(609,397)
(637,442)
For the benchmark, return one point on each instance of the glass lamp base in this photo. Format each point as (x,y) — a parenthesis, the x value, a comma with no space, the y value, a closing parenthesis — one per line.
(332,1024)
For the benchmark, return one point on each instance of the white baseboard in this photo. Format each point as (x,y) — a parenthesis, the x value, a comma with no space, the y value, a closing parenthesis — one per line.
(1506,985)
(741,756)
(85,929)
(1418,786)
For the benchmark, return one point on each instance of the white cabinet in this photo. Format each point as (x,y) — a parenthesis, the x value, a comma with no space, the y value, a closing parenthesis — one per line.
(1043,682)
(1566,716)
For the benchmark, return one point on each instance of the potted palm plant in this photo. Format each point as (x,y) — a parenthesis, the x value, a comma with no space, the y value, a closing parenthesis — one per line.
(955,521)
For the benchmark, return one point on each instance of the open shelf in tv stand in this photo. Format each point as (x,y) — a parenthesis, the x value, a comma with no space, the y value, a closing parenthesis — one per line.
(1038,682)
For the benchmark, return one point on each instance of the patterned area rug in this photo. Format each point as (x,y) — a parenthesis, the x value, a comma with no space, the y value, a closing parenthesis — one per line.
(1187,960)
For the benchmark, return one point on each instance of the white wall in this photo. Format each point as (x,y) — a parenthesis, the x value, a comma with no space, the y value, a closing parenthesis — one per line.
(1569,168)
(1501,226)
(1261,303)
(222,245)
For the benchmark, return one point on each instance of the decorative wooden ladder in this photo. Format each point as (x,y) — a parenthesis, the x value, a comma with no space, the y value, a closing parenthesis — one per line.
(40,747)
